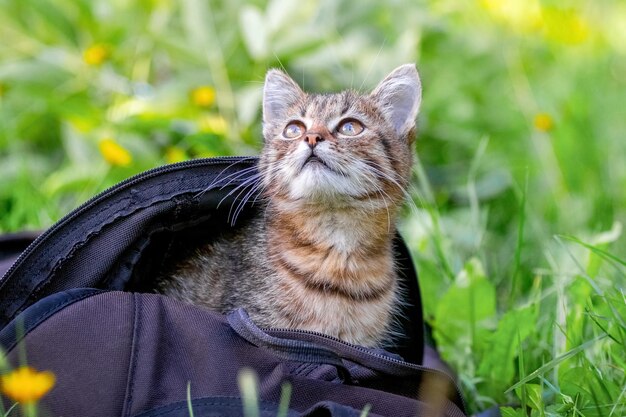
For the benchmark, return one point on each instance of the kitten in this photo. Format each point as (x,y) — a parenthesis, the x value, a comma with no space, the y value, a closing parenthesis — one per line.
(319,256)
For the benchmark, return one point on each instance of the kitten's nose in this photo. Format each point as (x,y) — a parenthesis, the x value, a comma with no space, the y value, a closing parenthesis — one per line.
(312,139)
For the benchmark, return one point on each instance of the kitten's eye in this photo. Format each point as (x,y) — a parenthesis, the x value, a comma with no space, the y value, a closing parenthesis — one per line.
(293,130)
(350,127)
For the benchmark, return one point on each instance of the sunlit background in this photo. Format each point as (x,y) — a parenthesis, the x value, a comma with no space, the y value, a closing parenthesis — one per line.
(521,146)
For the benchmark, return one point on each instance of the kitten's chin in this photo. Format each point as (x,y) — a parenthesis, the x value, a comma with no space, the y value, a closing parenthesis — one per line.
(316,182)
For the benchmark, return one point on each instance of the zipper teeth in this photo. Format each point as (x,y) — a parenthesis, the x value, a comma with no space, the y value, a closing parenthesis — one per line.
(334,339)
(369,352)
(125,183)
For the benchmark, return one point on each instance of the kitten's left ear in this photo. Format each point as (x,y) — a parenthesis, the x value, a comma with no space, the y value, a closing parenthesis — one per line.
(399,95)
(280,92)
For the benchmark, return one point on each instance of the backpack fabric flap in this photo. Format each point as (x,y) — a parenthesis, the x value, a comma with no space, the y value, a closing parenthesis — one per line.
(115,226)
(128,354)
(359,365)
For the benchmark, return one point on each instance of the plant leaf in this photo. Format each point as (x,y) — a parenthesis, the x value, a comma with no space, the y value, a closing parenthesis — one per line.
(462,311)
(514,327)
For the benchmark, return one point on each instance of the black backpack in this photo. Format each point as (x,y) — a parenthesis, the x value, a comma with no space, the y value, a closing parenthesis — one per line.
(79,301)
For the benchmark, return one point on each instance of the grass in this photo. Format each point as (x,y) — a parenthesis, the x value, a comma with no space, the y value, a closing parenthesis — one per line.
(520,182)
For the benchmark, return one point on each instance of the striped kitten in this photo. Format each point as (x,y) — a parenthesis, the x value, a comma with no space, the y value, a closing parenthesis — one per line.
(334,170)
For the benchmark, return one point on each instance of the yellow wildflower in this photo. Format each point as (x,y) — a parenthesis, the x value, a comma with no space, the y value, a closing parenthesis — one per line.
(96,54)
(174,154)
(203,96)
(26,385)
(543,122)
(563,25)
(519,15)
(114,153)
(213,123)
(566,26)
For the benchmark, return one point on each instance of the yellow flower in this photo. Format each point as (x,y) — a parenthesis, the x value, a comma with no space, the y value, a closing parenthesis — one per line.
(203,96)
(566,26)
(519,15)
(563,25)
(26,385)
(96,54)
(213,123)
(114,153)
(174,154)
(543,122)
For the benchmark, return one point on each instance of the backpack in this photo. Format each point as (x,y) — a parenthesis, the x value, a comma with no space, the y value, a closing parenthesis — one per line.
(79,301)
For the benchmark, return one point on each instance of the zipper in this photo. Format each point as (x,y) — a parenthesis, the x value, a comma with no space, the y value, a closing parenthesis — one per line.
(362,349)
(194,163)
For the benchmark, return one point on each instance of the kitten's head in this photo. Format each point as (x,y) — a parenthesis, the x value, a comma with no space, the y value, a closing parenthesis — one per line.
(339,148)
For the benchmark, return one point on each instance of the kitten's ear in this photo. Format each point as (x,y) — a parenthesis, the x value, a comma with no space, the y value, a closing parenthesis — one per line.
(279,93)
(399,96)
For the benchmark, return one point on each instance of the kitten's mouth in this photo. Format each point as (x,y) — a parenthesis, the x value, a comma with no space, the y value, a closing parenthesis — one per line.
(315,160)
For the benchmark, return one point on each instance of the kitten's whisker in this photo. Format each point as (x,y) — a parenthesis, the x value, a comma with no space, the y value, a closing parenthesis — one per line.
(236,176)
(236,173)
(353,163)
(279,61)
(242,189)
(255,183)
(377,169)
(382,193)
(260,195)
(252,177)
(254,189)
(371,66)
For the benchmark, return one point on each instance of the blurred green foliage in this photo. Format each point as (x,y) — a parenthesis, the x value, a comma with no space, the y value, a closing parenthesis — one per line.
(522,139)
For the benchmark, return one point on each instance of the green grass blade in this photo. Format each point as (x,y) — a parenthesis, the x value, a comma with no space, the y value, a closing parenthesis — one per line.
(523,395)
(617,402)
(10,409)
(249,388)
(285,398)
(520,240)
(601,326)
(596,250)
(189,406)
(546,367)
(583,272)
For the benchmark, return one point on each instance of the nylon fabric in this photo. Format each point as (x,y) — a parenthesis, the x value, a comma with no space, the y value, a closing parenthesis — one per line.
(121,353)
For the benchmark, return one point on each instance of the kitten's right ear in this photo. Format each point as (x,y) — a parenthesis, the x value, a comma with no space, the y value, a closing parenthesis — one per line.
(399,96)
(280,92)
